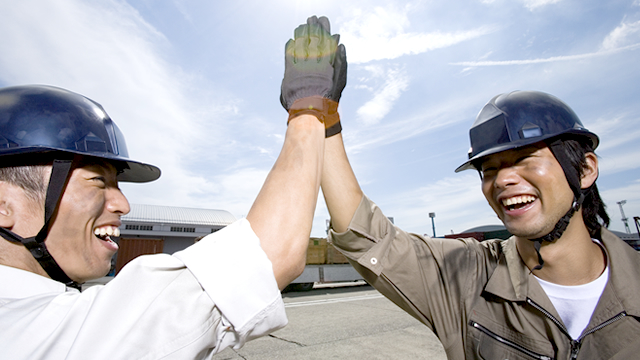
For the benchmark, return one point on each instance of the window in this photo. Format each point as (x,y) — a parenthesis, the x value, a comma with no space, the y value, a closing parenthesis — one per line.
(183,229)
(139,227)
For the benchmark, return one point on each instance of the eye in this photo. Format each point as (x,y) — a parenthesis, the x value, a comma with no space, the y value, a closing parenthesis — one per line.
(101,180)
(487,172)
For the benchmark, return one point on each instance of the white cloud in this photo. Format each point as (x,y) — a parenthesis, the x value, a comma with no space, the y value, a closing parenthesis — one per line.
(534,4)
(615,130)
(550,59)
(624,35)
(396,81)
(457,201)
(619,162)
(618,134)
(404,126)
(106,51)
(382,34)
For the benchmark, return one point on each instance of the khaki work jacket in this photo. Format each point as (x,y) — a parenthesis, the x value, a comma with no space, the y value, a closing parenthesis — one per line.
(480,299)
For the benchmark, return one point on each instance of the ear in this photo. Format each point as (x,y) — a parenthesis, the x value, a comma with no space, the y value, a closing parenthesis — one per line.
(589,171)
(7,215)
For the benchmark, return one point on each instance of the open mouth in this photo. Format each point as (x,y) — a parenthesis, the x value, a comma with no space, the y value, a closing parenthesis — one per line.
(518,202)
(106,232)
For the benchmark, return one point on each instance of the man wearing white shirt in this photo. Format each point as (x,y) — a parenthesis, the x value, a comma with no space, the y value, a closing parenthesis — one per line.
(61,160)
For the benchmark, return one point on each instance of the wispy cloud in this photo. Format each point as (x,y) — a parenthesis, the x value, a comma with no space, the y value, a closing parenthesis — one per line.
(108,52)
(382,34)
(615,130)
(548,60)
(457,201)
(422,120)
(626,34)
(534,4)
(395,81)
(616,163)
(625,37)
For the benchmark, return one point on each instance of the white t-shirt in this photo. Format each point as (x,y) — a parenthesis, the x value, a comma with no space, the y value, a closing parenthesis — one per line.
(218,292)
(575,304)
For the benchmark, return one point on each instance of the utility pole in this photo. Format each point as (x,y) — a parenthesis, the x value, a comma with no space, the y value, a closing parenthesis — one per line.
(433,223)
(624,218)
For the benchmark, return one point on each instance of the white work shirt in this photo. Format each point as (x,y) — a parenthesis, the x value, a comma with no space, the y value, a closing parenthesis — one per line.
(218,292)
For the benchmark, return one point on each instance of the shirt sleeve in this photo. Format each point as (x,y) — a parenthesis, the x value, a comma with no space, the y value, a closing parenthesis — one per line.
(219,292)
(427,277)
(238,277)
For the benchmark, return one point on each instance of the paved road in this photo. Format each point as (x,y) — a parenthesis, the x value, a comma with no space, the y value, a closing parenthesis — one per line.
(343,323)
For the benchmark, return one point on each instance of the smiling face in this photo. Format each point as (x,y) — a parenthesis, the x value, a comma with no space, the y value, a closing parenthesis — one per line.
(527,189)
(89,213)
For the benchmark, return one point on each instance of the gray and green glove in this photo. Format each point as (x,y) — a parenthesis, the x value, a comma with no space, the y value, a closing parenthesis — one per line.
(315,74)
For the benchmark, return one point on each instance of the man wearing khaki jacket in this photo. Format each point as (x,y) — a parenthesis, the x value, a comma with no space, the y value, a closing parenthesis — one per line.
(563,287)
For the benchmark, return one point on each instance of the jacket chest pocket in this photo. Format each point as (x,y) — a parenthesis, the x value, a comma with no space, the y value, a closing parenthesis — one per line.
(490,345)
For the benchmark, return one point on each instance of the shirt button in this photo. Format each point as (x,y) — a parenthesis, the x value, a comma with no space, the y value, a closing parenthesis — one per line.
(374,261)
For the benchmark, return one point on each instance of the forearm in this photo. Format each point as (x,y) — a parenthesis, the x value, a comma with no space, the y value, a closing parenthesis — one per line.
(340,187)
(282,214)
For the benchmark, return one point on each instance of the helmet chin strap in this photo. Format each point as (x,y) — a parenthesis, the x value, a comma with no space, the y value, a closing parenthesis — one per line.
(557,231)
(59,177)
(573,178)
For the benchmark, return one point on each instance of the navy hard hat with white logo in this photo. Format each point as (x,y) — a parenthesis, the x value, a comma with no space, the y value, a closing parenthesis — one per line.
(45,119)
(521,118)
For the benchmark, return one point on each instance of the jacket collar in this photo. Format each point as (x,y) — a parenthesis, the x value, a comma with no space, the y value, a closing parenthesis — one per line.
(624,272)
(511,280)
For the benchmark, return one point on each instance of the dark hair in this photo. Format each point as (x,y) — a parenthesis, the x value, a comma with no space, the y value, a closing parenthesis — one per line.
(593,208)
(28,175)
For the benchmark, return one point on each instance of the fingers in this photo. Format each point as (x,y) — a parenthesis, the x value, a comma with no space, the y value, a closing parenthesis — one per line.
(313,40)
(340,72)
(301,43)
(316,43)
(324,23)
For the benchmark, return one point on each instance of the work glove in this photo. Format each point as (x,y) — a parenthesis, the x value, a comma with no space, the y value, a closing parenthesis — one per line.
(315,74)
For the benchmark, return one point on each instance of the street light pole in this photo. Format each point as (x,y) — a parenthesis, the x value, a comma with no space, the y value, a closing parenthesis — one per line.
(433,223)
(624,218)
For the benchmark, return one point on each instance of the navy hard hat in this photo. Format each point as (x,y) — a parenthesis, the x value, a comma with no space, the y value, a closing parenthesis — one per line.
(39,119)
(522,118)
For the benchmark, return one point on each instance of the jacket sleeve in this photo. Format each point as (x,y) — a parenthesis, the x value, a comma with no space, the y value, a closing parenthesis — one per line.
(430,278)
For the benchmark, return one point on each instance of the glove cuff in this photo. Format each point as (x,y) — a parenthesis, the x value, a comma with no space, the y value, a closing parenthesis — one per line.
(322,108)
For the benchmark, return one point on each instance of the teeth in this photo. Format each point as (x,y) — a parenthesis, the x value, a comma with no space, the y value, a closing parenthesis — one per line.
(518,200)
(107,231)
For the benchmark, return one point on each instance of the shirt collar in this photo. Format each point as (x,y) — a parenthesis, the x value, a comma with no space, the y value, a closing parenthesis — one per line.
(19,284)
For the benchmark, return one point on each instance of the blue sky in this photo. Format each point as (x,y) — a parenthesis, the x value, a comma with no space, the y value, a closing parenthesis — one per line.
(194,86)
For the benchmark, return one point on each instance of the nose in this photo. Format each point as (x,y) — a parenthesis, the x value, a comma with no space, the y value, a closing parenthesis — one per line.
(117,202)
(505,177)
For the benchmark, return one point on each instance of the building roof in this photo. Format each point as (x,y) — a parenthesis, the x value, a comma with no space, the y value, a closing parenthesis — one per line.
(157,214)
(485,228)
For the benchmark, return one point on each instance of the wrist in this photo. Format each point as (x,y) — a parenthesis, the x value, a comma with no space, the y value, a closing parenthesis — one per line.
(325,110)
